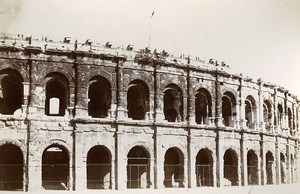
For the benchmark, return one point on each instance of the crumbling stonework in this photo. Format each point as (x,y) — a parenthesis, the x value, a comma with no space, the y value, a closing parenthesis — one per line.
(79,116)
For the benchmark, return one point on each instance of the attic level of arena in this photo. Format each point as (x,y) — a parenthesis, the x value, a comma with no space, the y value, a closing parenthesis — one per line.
(86,116)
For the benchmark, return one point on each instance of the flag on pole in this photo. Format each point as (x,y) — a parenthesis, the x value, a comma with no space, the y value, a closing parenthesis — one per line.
(152,13)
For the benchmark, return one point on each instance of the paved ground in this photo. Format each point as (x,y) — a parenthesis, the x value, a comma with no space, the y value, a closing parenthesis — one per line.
(278,189)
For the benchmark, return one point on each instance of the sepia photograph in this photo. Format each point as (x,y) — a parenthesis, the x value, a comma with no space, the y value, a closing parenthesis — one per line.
(150,96)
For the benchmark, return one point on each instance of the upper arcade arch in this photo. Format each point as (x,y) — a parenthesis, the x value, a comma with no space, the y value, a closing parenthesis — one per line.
(11,91)
(228,105)
(250,111)
(203,106)
(173,103)
(99,97)
(137,100)
(57,94)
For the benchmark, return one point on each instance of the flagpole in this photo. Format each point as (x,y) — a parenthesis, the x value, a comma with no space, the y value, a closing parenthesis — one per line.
(150,29)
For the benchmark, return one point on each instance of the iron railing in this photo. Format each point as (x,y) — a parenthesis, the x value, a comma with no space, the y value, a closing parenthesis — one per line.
(204,175)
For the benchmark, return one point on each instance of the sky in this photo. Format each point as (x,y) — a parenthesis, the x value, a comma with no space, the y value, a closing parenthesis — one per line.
(259,38)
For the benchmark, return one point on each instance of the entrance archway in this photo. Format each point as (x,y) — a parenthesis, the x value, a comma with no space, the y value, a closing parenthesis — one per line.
(282,168)
(204,168)
(174,169)
(252,167)
(55,168)
(269,167)
(231,167)
(138,171)
(11,167)
(98,168)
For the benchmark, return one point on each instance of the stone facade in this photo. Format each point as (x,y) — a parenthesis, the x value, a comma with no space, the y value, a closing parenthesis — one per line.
(84,116)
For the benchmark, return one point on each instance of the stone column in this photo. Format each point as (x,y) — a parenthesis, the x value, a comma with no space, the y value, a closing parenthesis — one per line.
(185,172)
(120,161)
(259,169)
(219,119)
(261,111)
(159,100)
(121,99)
(151,106)
(80,163)
(220,160)
(191,112)
(243,159)
(152,173)
(159,161)
(237,107)
(288,162)
(185,109)
(242,113)
(192,161)
(277,162)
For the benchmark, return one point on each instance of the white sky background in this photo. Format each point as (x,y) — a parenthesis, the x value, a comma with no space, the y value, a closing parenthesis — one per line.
(259,38)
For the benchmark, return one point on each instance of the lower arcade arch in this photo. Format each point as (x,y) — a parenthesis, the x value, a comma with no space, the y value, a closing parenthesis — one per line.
(11,167)
(55,168)
(252,168)
(173,168)
(204,168)
(270,168)
(282,168)
(98,168)
(138,168)
(231,167)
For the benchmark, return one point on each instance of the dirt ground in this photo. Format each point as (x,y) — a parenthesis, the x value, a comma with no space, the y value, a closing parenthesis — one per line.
(275,189)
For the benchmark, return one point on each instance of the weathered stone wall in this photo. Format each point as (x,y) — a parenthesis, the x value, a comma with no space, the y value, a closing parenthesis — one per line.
(77,132)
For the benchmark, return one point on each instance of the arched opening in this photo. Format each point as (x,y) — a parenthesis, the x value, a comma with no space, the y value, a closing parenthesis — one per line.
(290,119)
(203,106)
(138,168)
(99,94)
(11,167)
(231,167)
(250,111)
(174,168)
(267,113)
(55,168)
(204,168)
(11,91)
(173,102)
(56,95)
(282,168)
(137,100)
(228,104)
(269,167)
(292,168)
(98,168)
(252,167)
(279,114)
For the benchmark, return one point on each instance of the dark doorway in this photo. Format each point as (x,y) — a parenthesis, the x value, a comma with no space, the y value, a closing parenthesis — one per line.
(204,168)
(98,168)
(173,168)
(252,167)
(269,167)
(11,167)
(55,168)
(138,171)
(282,168)
(231,167)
